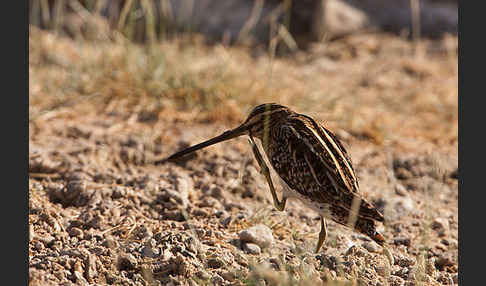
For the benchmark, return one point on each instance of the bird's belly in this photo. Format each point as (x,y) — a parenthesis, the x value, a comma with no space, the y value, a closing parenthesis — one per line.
(323,209)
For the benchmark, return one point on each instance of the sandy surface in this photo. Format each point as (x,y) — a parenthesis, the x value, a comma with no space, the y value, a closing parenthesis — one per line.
(101,213)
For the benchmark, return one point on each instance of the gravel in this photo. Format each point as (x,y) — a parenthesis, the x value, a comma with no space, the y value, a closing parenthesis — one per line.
(99,214)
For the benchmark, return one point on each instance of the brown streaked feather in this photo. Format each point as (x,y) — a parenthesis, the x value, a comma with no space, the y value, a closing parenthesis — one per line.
(339,152)
(315,169)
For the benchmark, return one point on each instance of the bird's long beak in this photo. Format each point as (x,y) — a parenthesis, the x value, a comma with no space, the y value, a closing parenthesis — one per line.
(227,135)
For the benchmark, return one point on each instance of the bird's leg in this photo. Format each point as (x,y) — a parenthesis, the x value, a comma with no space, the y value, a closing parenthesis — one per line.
(279,205)
(322,234)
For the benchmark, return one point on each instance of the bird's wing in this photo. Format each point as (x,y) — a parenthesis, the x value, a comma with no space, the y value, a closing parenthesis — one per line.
(324,156)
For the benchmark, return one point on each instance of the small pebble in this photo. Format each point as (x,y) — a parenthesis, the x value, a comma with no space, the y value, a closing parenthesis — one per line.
(252,248)
(441,225)
(400,190)
(200,212)
(216,192)
(220,213)
(402,241)
(47,239)
(215,262)
(443,261)
(39,246)
(226,221)
(110,243)
(371,247)
(356,251)
(147,251)
(127,262)
(76,232)
(228,276)
(259,234)
(203,275)
(274,263)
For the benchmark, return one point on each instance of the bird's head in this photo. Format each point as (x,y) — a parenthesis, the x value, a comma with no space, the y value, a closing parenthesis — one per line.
(263,117)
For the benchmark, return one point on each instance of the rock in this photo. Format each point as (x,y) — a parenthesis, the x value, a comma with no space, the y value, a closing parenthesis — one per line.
(203,275)
(402,241)
(228,276)
(400,190)
(252,248)
(259,234)
(355,251)
(110,242)
(338,18)
(220,213)
(403,174)
(371,247)
(76,232)
(47,239)
(127,262)
(216,192)
(147,251)
(443,261)
(225,222)
(274,263)
(441,225)
(200,212)
(174,197)
(215,262)
(39,246)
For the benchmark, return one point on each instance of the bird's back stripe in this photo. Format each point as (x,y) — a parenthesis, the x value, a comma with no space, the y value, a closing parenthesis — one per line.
(316,130)
(346,163)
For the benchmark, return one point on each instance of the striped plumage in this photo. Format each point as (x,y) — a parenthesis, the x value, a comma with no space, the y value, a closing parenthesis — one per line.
(311,161)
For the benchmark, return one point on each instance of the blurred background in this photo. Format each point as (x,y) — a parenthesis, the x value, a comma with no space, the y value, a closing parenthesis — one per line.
(217,57)
(236,21)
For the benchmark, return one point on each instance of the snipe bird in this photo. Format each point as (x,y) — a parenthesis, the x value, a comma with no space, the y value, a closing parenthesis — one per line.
(311,161)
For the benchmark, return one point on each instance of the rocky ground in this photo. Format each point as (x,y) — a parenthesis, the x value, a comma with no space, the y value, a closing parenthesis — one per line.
(102,213)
